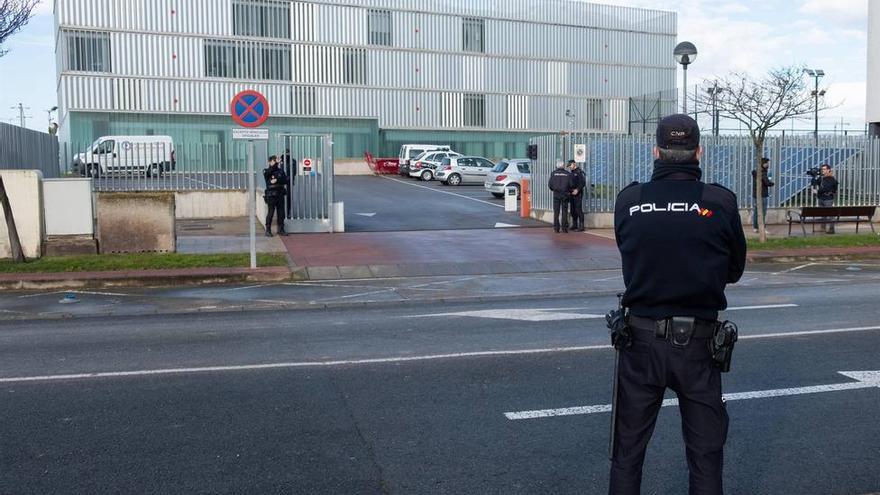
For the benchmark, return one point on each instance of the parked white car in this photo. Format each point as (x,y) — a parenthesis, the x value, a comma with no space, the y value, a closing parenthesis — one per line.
(506,174)
(410,151)
(460,170)
(150,155)
(425,165)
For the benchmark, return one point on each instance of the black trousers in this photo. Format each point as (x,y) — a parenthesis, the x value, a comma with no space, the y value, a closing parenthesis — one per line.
(577,211)
(275,206)
(560,213)
(645,371)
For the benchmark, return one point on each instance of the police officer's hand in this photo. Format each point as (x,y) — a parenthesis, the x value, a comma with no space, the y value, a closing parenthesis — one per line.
(574,193)
(274,180)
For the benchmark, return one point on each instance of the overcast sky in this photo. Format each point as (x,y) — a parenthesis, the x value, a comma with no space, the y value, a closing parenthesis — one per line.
(730,35)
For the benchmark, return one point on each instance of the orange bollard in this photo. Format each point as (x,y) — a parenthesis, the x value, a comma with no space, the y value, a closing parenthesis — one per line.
(526,199)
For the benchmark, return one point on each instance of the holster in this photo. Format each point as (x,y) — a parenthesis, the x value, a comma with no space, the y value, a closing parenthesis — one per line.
(722,344)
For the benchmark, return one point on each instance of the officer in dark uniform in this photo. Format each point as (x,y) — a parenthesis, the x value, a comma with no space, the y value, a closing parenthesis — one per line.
(561,183)
(681,241)
(577,196)
(276,190)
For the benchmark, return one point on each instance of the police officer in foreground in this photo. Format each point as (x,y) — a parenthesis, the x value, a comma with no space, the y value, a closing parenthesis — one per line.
(681,241)
(562,184)
(276,190)
(579,179)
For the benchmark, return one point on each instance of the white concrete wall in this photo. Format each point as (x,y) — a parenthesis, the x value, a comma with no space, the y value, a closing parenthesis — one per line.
(68,207)
(351,167)
(211,204)
(873,96)
(217,204)
(26,199)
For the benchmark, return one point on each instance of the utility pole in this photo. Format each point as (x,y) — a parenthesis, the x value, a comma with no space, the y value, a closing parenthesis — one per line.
(22,119)
(816,74)
(714,91)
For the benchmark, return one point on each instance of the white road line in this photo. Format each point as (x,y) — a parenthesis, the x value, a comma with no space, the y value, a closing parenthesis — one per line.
(443,282)
(93,293)
(444,192)
(385,360)
(360,294)
(766,306)
(210,186)
(555,314)
(249,287)
(306,364)
(801,267)
(28,296)
(865,379)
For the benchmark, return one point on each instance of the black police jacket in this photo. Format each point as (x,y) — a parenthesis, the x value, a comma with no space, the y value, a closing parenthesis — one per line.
(279,188)
(827,188)
(561,182)
(681,241)
(579,179)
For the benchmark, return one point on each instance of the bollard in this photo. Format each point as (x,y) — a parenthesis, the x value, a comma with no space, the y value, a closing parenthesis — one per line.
(526,199)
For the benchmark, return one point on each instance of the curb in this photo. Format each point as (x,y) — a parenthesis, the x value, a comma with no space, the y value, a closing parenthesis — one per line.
(141,278)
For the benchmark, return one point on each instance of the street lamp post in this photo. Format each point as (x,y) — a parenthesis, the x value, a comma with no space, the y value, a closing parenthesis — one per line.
(714,91)
(685,53)
(816,74)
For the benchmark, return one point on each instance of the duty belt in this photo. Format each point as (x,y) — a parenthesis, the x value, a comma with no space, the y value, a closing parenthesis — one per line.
(678,329)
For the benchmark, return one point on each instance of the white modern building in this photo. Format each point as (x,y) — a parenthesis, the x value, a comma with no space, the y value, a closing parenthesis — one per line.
(873,83)
(481,75)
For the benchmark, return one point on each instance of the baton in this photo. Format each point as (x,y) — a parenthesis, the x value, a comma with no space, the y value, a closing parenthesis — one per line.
(613,405)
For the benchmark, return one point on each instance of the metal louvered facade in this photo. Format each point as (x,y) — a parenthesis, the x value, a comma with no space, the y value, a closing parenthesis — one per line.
(374,73)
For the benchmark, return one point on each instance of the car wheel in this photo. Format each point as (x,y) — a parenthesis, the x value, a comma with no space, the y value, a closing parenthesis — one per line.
(454,180)
(94,171)
(427,176)
(154,170)
(498,195)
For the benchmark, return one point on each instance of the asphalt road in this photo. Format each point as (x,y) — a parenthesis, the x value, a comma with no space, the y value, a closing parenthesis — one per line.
(394,203)
(412,399)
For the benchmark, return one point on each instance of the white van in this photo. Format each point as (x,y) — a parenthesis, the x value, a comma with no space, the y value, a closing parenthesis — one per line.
(409,152)
(150,155)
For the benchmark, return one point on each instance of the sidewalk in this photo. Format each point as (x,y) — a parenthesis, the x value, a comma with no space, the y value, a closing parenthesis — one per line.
(378,255)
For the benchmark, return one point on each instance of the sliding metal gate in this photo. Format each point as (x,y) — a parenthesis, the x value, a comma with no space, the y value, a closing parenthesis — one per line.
(308,160)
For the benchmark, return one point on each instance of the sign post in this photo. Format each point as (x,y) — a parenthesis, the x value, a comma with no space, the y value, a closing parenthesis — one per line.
(250,110)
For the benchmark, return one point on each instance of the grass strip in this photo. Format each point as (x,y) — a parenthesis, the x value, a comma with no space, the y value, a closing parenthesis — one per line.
(817,241)
(140,261)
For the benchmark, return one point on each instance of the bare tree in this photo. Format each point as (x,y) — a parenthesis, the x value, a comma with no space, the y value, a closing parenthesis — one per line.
(762,104)
(14,14)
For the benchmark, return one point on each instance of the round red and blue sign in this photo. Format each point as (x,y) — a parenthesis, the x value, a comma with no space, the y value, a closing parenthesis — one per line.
(249,109)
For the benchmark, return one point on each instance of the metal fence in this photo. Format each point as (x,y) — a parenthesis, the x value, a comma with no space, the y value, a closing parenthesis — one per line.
(150,163)
(24,149)
(613,161)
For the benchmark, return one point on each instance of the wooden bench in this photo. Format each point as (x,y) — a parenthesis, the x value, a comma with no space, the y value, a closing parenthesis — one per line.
(830,215)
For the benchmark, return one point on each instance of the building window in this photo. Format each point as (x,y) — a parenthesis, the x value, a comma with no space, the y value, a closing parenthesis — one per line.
(305,101)
(474,31)
(474,110)
(379,26)
(354,66)
(247,60)
(218,59)
(88,51)
(261,18)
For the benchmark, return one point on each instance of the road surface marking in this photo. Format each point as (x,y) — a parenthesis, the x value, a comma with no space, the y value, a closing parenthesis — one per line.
(791,270)
(500,225)
(368,215)
(864,379)
(765,306)
(385,360)
(556,314)
(518,314)
(444,192)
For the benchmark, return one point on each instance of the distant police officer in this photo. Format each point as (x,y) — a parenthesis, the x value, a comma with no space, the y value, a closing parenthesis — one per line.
(276,189)
(681,241)
(579,182)
(562,184)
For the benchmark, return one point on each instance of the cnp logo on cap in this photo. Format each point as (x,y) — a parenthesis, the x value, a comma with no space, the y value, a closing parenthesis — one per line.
(678,132)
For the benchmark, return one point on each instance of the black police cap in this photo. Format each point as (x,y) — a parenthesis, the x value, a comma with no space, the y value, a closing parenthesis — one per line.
(678,132)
